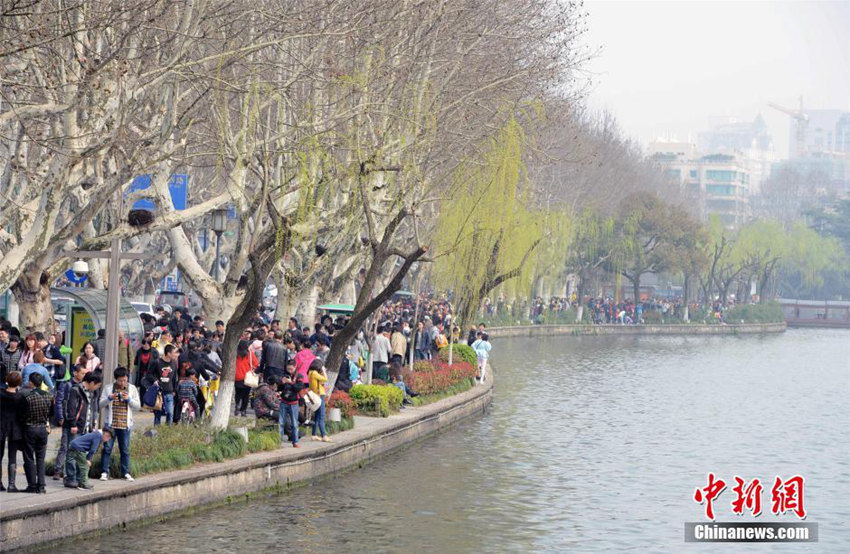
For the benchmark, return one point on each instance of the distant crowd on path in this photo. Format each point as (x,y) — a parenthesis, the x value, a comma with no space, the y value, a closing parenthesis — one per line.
(280,375)
(604,310)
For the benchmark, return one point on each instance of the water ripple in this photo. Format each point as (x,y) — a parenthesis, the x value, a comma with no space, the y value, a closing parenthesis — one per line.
(592,444)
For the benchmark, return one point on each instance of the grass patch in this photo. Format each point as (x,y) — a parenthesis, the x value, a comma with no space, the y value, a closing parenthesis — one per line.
(457,388)
(181,446)
(263,439)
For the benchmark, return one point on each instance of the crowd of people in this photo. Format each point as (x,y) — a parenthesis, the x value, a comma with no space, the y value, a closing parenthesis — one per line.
(174,371)
(604,309)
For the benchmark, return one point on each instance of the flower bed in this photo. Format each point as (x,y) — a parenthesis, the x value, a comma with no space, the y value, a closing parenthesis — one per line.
(344,402)
(439,376)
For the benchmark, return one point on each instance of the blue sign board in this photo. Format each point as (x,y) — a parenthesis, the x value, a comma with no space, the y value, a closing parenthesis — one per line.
(71,276)
(178,186)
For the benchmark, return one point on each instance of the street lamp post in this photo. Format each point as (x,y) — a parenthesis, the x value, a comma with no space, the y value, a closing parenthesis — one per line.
(218,225)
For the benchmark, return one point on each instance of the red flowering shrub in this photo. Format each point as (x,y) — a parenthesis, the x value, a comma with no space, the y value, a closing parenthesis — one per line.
(344,402)
(423,365)
(443,376)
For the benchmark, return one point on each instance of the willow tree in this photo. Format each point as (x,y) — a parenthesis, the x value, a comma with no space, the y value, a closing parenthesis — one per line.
(809,258)
(591,246)
(550,269)
(486,233)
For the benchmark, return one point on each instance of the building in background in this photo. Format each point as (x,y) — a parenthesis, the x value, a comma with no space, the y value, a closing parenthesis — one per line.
(749,141)
(715,184)
(820,149)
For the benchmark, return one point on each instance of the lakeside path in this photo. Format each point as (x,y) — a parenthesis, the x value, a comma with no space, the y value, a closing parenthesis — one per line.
(642,329)
(27,520)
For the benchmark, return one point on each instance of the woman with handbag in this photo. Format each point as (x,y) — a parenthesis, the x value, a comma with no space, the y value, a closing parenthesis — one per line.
(318,378)
(246,363)
(146,363)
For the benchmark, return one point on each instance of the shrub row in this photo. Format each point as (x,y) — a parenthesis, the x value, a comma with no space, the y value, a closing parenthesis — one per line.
(377,400)
(461,353)
(770,312)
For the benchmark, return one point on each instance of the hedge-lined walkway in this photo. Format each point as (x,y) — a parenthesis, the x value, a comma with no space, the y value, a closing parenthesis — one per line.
(365,426)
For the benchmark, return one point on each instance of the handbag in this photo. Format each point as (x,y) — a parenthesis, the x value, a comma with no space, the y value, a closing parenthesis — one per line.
(252,380)
(151,395)
(313,401)
(157,405)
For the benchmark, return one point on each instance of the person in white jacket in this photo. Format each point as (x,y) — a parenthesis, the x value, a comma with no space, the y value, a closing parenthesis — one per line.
(120,399)
(482,352)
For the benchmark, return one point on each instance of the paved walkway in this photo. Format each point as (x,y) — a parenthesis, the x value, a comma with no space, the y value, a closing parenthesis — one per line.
(141,420)
(58,494)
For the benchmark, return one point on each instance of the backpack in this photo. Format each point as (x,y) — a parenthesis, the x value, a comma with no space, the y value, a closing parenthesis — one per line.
(441,341)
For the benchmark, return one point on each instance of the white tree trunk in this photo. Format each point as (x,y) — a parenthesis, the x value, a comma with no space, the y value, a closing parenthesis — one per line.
(305,308)
(220,416)
(35,310)
(579,313)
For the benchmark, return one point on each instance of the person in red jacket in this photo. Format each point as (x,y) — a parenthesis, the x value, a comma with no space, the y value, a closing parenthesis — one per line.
(245,361)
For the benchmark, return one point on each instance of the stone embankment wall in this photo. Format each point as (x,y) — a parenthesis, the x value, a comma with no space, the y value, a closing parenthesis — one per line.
(690,329)
(153,497)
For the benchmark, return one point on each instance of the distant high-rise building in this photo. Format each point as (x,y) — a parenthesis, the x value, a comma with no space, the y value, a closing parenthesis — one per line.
(715,184)
(825,132)
(820,148)
(748,141)
(730,136)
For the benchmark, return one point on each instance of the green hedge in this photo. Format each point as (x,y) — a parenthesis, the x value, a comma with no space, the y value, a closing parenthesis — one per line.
(462,353)
(180,446)
(770,312)
(377,400)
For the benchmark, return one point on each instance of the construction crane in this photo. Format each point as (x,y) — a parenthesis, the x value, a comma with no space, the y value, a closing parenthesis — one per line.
(801,119)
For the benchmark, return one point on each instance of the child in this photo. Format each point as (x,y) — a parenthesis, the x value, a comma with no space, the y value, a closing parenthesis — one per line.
(482,352)
(398,381)
(290,388)
(187,393)
(80,453)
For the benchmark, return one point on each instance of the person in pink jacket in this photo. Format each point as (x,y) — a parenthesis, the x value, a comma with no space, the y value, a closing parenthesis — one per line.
(303,359)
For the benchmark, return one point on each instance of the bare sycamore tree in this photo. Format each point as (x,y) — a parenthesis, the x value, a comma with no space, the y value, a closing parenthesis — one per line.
(332,128)
(456,70)
(90,97)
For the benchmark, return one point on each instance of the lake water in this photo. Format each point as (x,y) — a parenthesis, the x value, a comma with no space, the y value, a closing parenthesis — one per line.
(592,444)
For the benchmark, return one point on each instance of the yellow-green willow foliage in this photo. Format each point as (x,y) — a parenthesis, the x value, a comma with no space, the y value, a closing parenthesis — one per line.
(550,258)
(486,232)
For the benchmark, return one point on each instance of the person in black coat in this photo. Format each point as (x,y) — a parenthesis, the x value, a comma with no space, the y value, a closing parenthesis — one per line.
(10,427)
(147,365)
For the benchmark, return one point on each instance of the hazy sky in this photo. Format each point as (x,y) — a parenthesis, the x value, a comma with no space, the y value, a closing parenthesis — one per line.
(666,67)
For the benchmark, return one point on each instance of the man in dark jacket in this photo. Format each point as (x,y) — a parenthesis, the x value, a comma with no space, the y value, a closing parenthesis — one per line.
(274,357)
(100,344)
(63,395)
(34,417)
(178,325)
(9,358)
(79,412)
